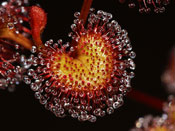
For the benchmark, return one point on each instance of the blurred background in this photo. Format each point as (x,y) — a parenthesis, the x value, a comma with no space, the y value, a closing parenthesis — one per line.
(152,36)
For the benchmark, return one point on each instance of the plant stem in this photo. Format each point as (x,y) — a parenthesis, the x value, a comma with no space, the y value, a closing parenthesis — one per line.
(83,16)
(146,99)
(18,38)
(85,10)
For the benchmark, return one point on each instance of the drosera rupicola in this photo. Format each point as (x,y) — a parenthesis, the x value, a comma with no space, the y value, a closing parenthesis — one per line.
(88,76)
(85,77)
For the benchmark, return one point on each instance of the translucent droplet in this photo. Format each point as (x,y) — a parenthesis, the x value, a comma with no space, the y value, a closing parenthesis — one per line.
(34,49)
(92,118)
(31,72)
(132,54)
(73,27)
(34,87)
(142,10)
(17,46)
(17,32)
(132,64)
(100,12)
(76,14)
(110,110)
(116,105)
(37,95)
(109,16)
(10,25)
(131,5)
(27,80)
(4,3)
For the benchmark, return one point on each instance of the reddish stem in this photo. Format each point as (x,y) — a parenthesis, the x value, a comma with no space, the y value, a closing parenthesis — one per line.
(18,38)
(83,16)
(146,99)
(85,10)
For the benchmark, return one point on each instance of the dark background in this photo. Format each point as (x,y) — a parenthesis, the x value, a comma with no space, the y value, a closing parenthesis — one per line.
(152,36)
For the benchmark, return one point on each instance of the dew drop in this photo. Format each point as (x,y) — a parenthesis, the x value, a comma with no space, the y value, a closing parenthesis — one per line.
(10,26)
(34,49)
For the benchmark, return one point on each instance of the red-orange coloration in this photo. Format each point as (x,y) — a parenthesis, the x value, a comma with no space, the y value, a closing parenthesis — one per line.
(38,20)
(90,70)
(85,10)
(146,99)
(90,83)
